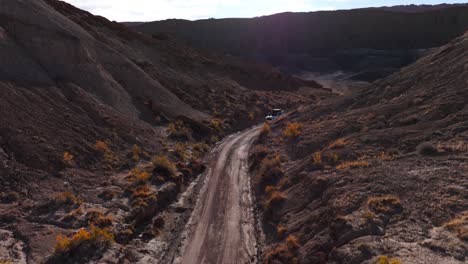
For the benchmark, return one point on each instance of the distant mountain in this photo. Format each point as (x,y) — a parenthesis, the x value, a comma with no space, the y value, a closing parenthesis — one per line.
(420,8)
(296,39)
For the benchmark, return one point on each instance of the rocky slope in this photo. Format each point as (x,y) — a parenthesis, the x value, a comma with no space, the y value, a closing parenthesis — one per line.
(85,104)
(380,175)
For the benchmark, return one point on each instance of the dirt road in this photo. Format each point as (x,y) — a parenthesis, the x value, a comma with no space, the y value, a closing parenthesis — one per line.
(222,227)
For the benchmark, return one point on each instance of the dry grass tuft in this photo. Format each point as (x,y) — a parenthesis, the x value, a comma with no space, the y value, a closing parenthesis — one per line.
(385,204)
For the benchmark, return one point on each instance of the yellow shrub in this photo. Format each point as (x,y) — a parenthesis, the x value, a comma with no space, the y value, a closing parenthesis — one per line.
(293,130)
(96,236)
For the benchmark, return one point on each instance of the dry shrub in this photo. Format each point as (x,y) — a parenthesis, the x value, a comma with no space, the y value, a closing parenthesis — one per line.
(107,194)
(68,158)
(384,156)
(427,149)
(317,158)
(93,237)
(181,151)
(269,173)
(292,242)
(284,252)
(459,225)
(199,149)
(163,166)
(104,149)
(353,164)
(293,130)
(136,150)
(9,197)
(368,216)
(269,189)
(387,260)
(281,230)
(216,124)
(65,198)
(385,204)
(459,146)
(274,198)
(258,153)
(139,176)
(178,130)
(339,143)
(97,218)
(264,132)
(251,116)
(214,139)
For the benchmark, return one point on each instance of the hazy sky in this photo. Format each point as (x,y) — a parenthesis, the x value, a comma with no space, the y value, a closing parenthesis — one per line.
(149,10)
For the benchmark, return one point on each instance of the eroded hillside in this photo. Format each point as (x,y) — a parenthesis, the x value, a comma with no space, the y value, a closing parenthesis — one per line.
(377,176)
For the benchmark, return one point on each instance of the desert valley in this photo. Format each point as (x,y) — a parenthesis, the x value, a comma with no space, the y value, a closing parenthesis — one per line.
(147,142)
